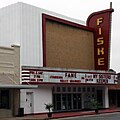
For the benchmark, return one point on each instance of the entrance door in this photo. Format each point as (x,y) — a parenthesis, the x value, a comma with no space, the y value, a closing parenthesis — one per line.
(29,102)
(100,97)
(112,98)
(74,101)
(118,98)
(77,101)
(66,102)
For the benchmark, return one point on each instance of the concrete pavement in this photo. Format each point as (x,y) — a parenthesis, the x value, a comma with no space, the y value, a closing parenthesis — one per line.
(62,115)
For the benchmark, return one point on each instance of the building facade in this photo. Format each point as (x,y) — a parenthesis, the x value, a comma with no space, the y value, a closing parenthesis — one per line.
(63,48)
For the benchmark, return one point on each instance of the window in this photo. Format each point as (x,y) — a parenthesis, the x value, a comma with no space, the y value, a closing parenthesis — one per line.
(69,89)
(63,89)
(88,89)
(74,89)
(93,89)
(4,99)
(58,89)
(84,89)
(79,89)
(53,89)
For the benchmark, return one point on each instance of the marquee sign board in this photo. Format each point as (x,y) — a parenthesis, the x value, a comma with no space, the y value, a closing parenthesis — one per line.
(101,22)
(33,75)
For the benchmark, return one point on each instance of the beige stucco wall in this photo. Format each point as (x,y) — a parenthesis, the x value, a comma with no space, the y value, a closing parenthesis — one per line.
(68,47)
(10,65)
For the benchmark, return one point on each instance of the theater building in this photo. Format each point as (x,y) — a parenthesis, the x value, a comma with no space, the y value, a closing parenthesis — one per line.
(67,59)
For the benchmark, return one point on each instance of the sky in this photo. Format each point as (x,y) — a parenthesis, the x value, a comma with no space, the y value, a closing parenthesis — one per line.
(81,9)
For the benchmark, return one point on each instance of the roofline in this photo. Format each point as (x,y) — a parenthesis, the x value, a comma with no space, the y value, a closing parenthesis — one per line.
(50,69)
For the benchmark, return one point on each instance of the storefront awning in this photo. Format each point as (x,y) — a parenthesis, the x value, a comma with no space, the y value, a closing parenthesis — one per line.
(10,86)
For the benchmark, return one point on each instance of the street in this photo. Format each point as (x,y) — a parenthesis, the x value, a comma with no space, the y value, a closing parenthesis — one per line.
(108,116)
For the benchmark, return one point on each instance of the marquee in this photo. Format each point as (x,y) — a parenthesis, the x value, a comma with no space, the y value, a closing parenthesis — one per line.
(33,75)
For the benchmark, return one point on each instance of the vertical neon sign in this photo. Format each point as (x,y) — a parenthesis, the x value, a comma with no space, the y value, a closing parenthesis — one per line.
(101,22)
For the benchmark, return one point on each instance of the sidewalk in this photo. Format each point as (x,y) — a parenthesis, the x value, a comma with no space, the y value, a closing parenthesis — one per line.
(62,115)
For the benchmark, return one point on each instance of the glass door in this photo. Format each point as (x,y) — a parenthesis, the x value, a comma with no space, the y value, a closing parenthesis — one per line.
(76,101)
(64,101)
(69,101)
(79,101)
(58,101)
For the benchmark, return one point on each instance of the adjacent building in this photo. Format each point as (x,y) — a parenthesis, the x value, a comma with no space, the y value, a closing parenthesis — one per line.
(10,81)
